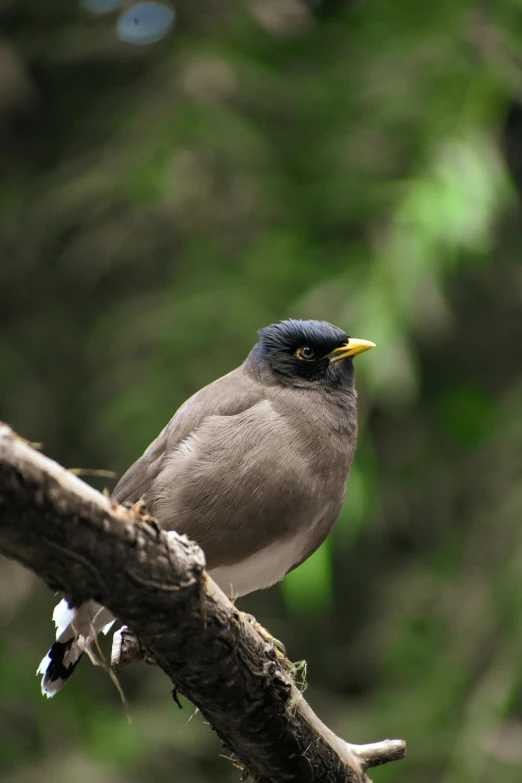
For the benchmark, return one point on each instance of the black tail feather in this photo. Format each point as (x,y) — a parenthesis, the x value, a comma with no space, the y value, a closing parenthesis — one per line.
(57,670)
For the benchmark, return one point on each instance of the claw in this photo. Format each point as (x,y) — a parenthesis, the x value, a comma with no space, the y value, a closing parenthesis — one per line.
(266,635)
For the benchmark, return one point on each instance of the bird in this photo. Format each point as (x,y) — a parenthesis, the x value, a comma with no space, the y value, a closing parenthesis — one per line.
(253,467)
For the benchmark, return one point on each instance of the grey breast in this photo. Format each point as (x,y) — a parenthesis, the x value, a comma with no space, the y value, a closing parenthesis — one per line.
(242,465)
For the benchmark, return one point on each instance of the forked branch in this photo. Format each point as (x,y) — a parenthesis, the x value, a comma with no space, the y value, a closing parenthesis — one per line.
(83,543)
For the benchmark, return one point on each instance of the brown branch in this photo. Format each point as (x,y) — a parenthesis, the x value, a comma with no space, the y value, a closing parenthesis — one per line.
(85,544)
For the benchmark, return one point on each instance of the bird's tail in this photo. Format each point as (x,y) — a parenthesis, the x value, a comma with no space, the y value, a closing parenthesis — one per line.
(76,629)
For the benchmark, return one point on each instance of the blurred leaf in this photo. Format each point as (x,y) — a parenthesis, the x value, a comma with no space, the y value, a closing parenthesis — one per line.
(308,589)
(468,415)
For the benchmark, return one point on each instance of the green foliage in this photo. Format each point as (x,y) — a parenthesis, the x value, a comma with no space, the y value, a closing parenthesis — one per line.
(309,588)
(156,208)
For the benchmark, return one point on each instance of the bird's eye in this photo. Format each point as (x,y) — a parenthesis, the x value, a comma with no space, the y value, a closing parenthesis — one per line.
(305,352)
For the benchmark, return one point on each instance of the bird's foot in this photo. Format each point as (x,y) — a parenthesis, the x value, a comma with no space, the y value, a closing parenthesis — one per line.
(266,636)
(127,648)
(296,669)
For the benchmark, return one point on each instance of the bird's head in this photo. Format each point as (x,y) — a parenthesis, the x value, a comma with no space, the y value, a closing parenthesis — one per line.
(308,351)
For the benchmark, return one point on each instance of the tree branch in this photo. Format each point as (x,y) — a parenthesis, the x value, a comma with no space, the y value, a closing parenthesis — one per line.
(85,544)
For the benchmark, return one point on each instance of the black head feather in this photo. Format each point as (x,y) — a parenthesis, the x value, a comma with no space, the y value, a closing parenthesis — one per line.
(297,352)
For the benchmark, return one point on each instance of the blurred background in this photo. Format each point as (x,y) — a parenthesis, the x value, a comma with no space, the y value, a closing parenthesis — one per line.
(350,161)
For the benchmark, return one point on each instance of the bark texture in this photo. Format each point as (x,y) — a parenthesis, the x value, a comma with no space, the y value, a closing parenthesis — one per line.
(83,543)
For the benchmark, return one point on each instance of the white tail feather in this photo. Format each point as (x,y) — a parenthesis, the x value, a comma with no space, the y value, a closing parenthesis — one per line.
(76,630)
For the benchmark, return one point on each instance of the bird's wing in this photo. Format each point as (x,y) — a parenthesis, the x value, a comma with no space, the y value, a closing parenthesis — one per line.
(229,395)
(239,483)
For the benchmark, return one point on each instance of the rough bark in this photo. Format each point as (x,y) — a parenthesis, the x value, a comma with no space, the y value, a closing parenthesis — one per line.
(83,543)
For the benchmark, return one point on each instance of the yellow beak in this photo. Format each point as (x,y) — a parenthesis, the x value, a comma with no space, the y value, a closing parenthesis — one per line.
(351,348)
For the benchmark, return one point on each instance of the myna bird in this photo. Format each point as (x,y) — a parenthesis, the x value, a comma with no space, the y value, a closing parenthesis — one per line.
(253,467)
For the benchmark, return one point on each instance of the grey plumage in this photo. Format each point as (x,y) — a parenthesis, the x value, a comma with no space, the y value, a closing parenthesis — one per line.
(254,467)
